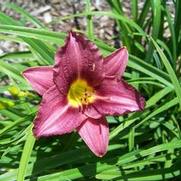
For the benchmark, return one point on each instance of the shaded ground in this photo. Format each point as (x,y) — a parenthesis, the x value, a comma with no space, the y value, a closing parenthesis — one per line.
(49,12)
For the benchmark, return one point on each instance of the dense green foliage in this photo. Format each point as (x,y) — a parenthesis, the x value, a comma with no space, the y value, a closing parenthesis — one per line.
(143,146)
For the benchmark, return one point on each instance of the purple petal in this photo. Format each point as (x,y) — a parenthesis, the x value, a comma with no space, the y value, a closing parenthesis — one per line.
(55,116)
(92,112)
(79,58)
(117,98)
(40,78)
(116,63)
(95,133)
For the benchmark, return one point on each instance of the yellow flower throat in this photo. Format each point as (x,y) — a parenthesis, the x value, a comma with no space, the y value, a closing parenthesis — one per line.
(80,93)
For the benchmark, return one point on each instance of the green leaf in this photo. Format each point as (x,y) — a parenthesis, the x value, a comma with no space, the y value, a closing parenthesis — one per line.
(170,71)
(40,34)
(24,13)
(28,147)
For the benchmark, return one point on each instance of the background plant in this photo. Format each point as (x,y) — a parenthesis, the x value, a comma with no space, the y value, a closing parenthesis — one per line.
(143,146)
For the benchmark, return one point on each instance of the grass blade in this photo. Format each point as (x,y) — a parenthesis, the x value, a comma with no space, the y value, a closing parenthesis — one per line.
(170,71)
(28,147)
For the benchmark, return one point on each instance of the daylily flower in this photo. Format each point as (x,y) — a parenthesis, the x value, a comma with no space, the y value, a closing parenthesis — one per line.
(80,90)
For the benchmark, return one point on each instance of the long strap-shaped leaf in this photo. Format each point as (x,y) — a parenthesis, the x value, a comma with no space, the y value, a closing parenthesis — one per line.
(28,147)
(170,71)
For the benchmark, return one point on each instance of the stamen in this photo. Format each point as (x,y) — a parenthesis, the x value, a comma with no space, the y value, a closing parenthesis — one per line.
(80,94)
